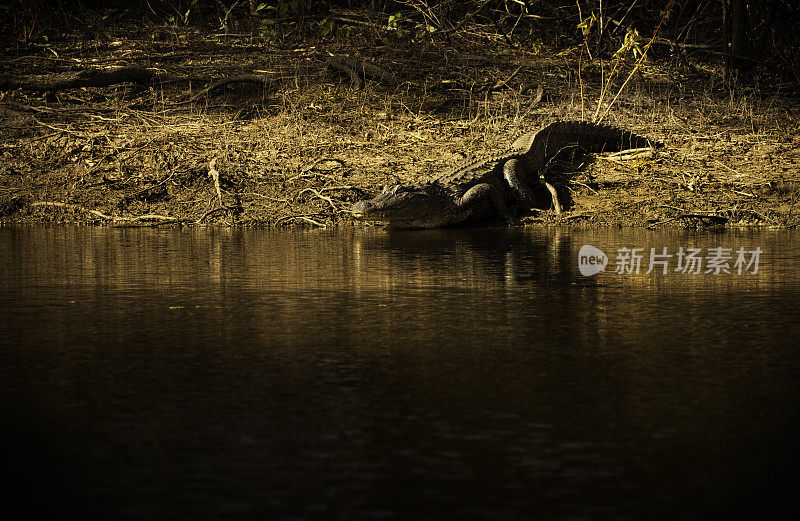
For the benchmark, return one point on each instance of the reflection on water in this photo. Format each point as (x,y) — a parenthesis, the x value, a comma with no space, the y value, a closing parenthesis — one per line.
(468,373)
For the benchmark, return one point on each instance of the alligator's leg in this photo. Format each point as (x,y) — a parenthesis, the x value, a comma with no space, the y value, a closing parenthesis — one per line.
(480,192)
(522,191)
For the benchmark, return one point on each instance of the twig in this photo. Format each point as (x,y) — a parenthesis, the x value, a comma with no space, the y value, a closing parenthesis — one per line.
(507,37)
(313,165)
(620,23)
(584,185)
(500,84)
(305,175)
(224,23)
(44,136)
(726,167)
(343,187)
(580,81)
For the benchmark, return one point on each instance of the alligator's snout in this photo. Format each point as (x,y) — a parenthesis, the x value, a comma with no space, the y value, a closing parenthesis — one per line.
(399,206)
(361,208)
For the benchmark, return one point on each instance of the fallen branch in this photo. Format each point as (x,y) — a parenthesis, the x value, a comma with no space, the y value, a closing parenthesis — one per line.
(161,219)
(323,197)
(74,207)
(314,165)
(86,78)
(631,153)
(343,187)
(212,171)
(128,222)
(361,70)
(150,217)
(300,218)
(265,81)
(503,83)
(66,131)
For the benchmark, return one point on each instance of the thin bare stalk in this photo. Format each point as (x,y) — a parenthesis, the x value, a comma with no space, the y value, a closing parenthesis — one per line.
(637,65)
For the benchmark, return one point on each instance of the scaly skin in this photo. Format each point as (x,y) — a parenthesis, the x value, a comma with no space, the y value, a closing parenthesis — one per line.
(478,190)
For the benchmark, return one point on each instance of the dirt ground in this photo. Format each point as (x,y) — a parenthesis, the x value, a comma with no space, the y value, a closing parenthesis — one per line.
(302,149)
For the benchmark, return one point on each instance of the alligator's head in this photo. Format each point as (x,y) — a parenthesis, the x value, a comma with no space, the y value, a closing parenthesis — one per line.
(400,206)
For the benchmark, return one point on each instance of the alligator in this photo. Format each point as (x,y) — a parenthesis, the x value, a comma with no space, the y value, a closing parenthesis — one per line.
(478,190)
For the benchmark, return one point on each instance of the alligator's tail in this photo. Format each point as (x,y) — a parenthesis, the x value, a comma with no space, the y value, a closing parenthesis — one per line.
(550,140)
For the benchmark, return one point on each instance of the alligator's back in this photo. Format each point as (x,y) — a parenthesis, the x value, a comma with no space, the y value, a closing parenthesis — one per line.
(473,171)
(540,146)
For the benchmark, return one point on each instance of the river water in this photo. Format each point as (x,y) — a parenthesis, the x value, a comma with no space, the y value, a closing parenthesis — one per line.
(222,373)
